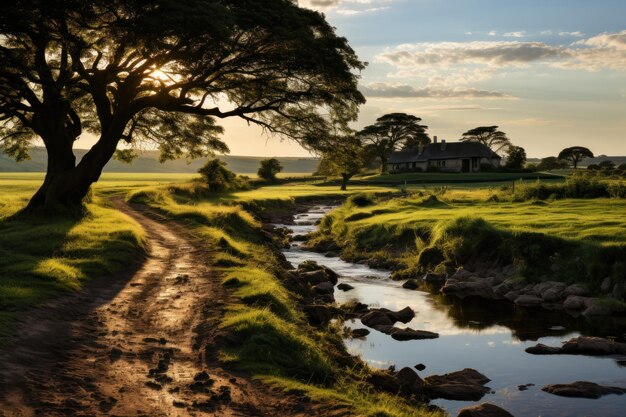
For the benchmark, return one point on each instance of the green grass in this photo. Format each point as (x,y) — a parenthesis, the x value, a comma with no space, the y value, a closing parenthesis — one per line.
(584,239)
(274,341)
(450,177)
(42,257)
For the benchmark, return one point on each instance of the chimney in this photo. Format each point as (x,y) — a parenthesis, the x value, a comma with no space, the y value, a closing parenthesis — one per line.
(443,144)
(434,139)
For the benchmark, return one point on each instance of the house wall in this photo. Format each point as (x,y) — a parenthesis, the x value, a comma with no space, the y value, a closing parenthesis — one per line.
(444,165)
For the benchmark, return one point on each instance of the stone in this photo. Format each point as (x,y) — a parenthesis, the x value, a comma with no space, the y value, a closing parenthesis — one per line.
(463,274)
(528,301)
(463,289)
(484,410)
(324,288)
(501,290)
(597,308)
(409,381)
(332,275)
(354,307)
(512,295)
(541,349)
(315,277)
(318,315)
(575,303)
(575,289)
(583,345)
(582,389)
(331,255)
(376,318)
(465,385)
(552,295)
(606,285)
(410,284)
(410,334)
(434,279)
(359,333)
(345,287)
(618,291)
(405,315)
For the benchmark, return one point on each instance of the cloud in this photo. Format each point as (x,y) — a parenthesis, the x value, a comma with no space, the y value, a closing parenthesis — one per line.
(346,7)
(519,34)
(576,34)
(350,12)
(388,90)
(603,51)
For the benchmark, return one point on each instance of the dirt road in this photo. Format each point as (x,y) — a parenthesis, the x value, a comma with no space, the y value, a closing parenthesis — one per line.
(141,344)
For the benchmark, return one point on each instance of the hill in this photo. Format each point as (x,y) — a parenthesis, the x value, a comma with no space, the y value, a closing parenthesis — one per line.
(149,162)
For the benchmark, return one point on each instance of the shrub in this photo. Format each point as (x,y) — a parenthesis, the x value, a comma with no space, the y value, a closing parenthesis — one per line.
(361,200)
(487,168)
(218,178)
(269,168)
(593,167)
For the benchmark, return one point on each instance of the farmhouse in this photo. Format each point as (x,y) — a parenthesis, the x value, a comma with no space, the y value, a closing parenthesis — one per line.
(443,156)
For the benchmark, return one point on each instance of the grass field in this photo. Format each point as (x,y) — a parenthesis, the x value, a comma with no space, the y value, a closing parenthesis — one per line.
(450,177)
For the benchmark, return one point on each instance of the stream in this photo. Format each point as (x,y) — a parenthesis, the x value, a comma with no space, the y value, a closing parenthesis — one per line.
(487,336)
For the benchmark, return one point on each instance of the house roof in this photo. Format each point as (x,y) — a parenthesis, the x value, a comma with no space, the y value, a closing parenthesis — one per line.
(454,150)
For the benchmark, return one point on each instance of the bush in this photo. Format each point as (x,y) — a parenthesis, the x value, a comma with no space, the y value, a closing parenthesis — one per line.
(593,167)
(218,178)
(487,168)
(361,200)
(269,168)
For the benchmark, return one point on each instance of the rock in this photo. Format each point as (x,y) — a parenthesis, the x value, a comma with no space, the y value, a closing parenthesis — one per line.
(324,288)
(331,255)
(606,285)
(512,295)
(464,289)
(299,238)
(462,274)
(528,301)
(597,308)
(420,367)
(582,389)
(575,289)
(315,277)
(354,307)
(345,287)
(376,318)
(332,275)
(541,349)
(405,315)
(575,303)
(308,266)
(384,317)
(465,385)
(410,284)
(583,345)
(409,381)
(501,290)
(318,315)
(552,295)
(410,334)
(359,333)
(434,279)
(484,410)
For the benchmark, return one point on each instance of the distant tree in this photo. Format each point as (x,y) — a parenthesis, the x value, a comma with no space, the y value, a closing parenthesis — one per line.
(218,177)
(391,132)
(269,168)
(345,159)
(575,154)
(515,157)
(607,165)
(593,167)
(163,71)
(622,167)
(490,136)
(550,163)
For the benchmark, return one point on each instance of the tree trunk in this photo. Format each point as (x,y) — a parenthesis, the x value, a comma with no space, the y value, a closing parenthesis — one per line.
(344,181)
(383,166)
(67,184)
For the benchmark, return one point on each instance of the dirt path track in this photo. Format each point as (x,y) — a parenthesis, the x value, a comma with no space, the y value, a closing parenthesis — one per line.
(137,345)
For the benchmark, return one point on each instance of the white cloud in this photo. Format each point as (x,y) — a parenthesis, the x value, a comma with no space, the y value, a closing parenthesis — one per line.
(492,33)
(389,90)
(346,7)
(604,51)
(519,34)
(576,34)
(350,12)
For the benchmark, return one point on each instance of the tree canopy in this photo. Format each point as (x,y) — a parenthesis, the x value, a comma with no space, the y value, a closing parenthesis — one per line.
(391,132)
(490,136)
(345,159)
(160,73)
(515,157)
(269,169)
(575,154)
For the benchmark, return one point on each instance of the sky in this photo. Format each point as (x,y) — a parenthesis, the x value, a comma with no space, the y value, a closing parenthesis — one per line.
(550,73)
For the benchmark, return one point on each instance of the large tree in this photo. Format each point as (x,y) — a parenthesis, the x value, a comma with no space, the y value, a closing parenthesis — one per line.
(391,132)
(515,157)
(345,158)
(162,72)
(575,154)
(490,136)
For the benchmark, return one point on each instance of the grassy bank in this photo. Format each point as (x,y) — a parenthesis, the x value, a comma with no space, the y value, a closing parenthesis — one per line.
(572,240)
(44,256)
(271,336)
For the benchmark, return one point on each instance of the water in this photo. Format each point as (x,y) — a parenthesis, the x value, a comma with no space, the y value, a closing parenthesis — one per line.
(488,337)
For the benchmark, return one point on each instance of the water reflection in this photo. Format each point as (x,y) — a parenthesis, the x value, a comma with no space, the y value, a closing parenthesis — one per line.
(490,337)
